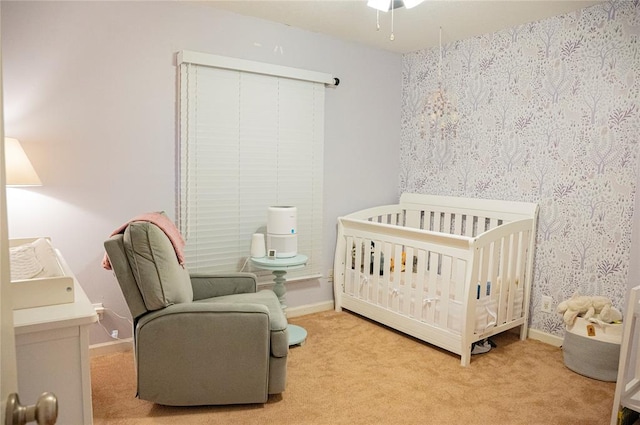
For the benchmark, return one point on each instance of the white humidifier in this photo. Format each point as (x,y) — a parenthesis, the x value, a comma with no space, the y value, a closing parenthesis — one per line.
(282,237)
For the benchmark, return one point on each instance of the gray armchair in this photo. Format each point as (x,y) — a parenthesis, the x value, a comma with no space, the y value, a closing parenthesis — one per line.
(199,340)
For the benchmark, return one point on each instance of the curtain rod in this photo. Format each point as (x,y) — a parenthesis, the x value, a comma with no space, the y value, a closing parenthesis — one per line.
(225,62)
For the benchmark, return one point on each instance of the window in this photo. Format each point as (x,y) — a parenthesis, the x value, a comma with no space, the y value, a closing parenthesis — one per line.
(249,139)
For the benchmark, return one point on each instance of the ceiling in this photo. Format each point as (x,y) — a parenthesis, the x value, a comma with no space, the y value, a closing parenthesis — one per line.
(414,29)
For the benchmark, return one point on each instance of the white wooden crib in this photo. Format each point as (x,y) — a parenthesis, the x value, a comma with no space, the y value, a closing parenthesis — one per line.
(449,271)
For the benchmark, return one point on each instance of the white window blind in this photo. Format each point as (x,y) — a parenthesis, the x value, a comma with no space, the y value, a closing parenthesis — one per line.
(247,141)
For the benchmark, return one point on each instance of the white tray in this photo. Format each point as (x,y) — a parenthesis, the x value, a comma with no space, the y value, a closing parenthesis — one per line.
(43,291)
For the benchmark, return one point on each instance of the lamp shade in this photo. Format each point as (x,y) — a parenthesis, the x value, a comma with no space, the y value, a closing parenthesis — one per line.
(19,170)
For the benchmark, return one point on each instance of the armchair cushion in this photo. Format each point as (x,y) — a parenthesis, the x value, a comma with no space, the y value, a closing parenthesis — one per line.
(161,279)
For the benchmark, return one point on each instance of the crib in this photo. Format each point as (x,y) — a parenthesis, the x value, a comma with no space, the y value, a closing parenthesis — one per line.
(449,271)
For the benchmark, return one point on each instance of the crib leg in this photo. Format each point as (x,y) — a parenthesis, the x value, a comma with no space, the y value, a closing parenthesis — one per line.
(523,332)
(465,358)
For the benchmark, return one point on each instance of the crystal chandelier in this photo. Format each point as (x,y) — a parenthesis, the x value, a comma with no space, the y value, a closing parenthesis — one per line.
(439,108)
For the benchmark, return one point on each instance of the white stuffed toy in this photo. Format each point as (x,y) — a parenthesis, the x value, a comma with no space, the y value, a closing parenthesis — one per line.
(589,307)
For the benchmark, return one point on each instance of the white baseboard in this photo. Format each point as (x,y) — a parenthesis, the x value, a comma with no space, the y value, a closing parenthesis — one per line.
(111,347)
(123,345)
(547,338)
(303,310)
(536,334)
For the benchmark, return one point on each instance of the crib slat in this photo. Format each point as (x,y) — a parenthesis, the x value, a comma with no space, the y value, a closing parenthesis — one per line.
(522,253)
(433,276)
(374,295)
(460,276)
(366,268)
(428,220)
(412,218)
(445,282)
(469,226)
(351,271)
(523,247)
(397,219)
(408,291)
(484,269)
(397,278)
(358,267)
(511,277)
(494,263)
(363,283)
(506,294)
(422,297)
(457,230)
(436,221)
(446,223)
(386,275)
(481,225)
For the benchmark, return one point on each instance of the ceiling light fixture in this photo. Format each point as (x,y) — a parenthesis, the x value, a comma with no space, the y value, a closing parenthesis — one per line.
(408,4)
(386,5)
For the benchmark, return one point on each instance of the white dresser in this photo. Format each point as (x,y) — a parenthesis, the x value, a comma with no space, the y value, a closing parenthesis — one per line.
(52,347)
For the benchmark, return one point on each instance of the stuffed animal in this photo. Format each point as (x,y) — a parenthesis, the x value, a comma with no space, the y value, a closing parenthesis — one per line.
(596,307)
(404,260)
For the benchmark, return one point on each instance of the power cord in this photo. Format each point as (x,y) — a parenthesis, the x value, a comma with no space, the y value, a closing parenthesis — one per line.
(117,315)
(246,261)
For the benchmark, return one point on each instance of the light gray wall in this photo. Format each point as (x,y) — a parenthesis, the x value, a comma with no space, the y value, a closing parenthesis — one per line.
(90,90)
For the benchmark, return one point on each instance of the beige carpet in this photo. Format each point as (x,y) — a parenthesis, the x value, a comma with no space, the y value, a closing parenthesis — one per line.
(353,371)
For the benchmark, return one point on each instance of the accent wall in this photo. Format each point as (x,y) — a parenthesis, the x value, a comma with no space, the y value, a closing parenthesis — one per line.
(545,112)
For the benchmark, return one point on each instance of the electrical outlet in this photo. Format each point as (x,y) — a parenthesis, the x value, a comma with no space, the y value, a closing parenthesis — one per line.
(330,275)
(547,304)
(99,308)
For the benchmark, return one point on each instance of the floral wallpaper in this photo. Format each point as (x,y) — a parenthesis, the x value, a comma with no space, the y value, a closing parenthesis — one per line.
(546,112)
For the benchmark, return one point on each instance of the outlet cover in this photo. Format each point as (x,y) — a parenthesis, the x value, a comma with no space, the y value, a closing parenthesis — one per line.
(547,304)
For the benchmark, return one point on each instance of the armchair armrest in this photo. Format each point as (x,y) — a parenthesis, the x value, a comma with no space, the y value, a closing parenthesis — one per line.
(196,308)
(209,286)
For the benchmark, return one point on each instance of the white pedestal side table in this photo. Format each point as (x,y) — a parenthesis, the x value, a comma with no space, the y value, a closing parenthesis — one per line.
(279,268)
